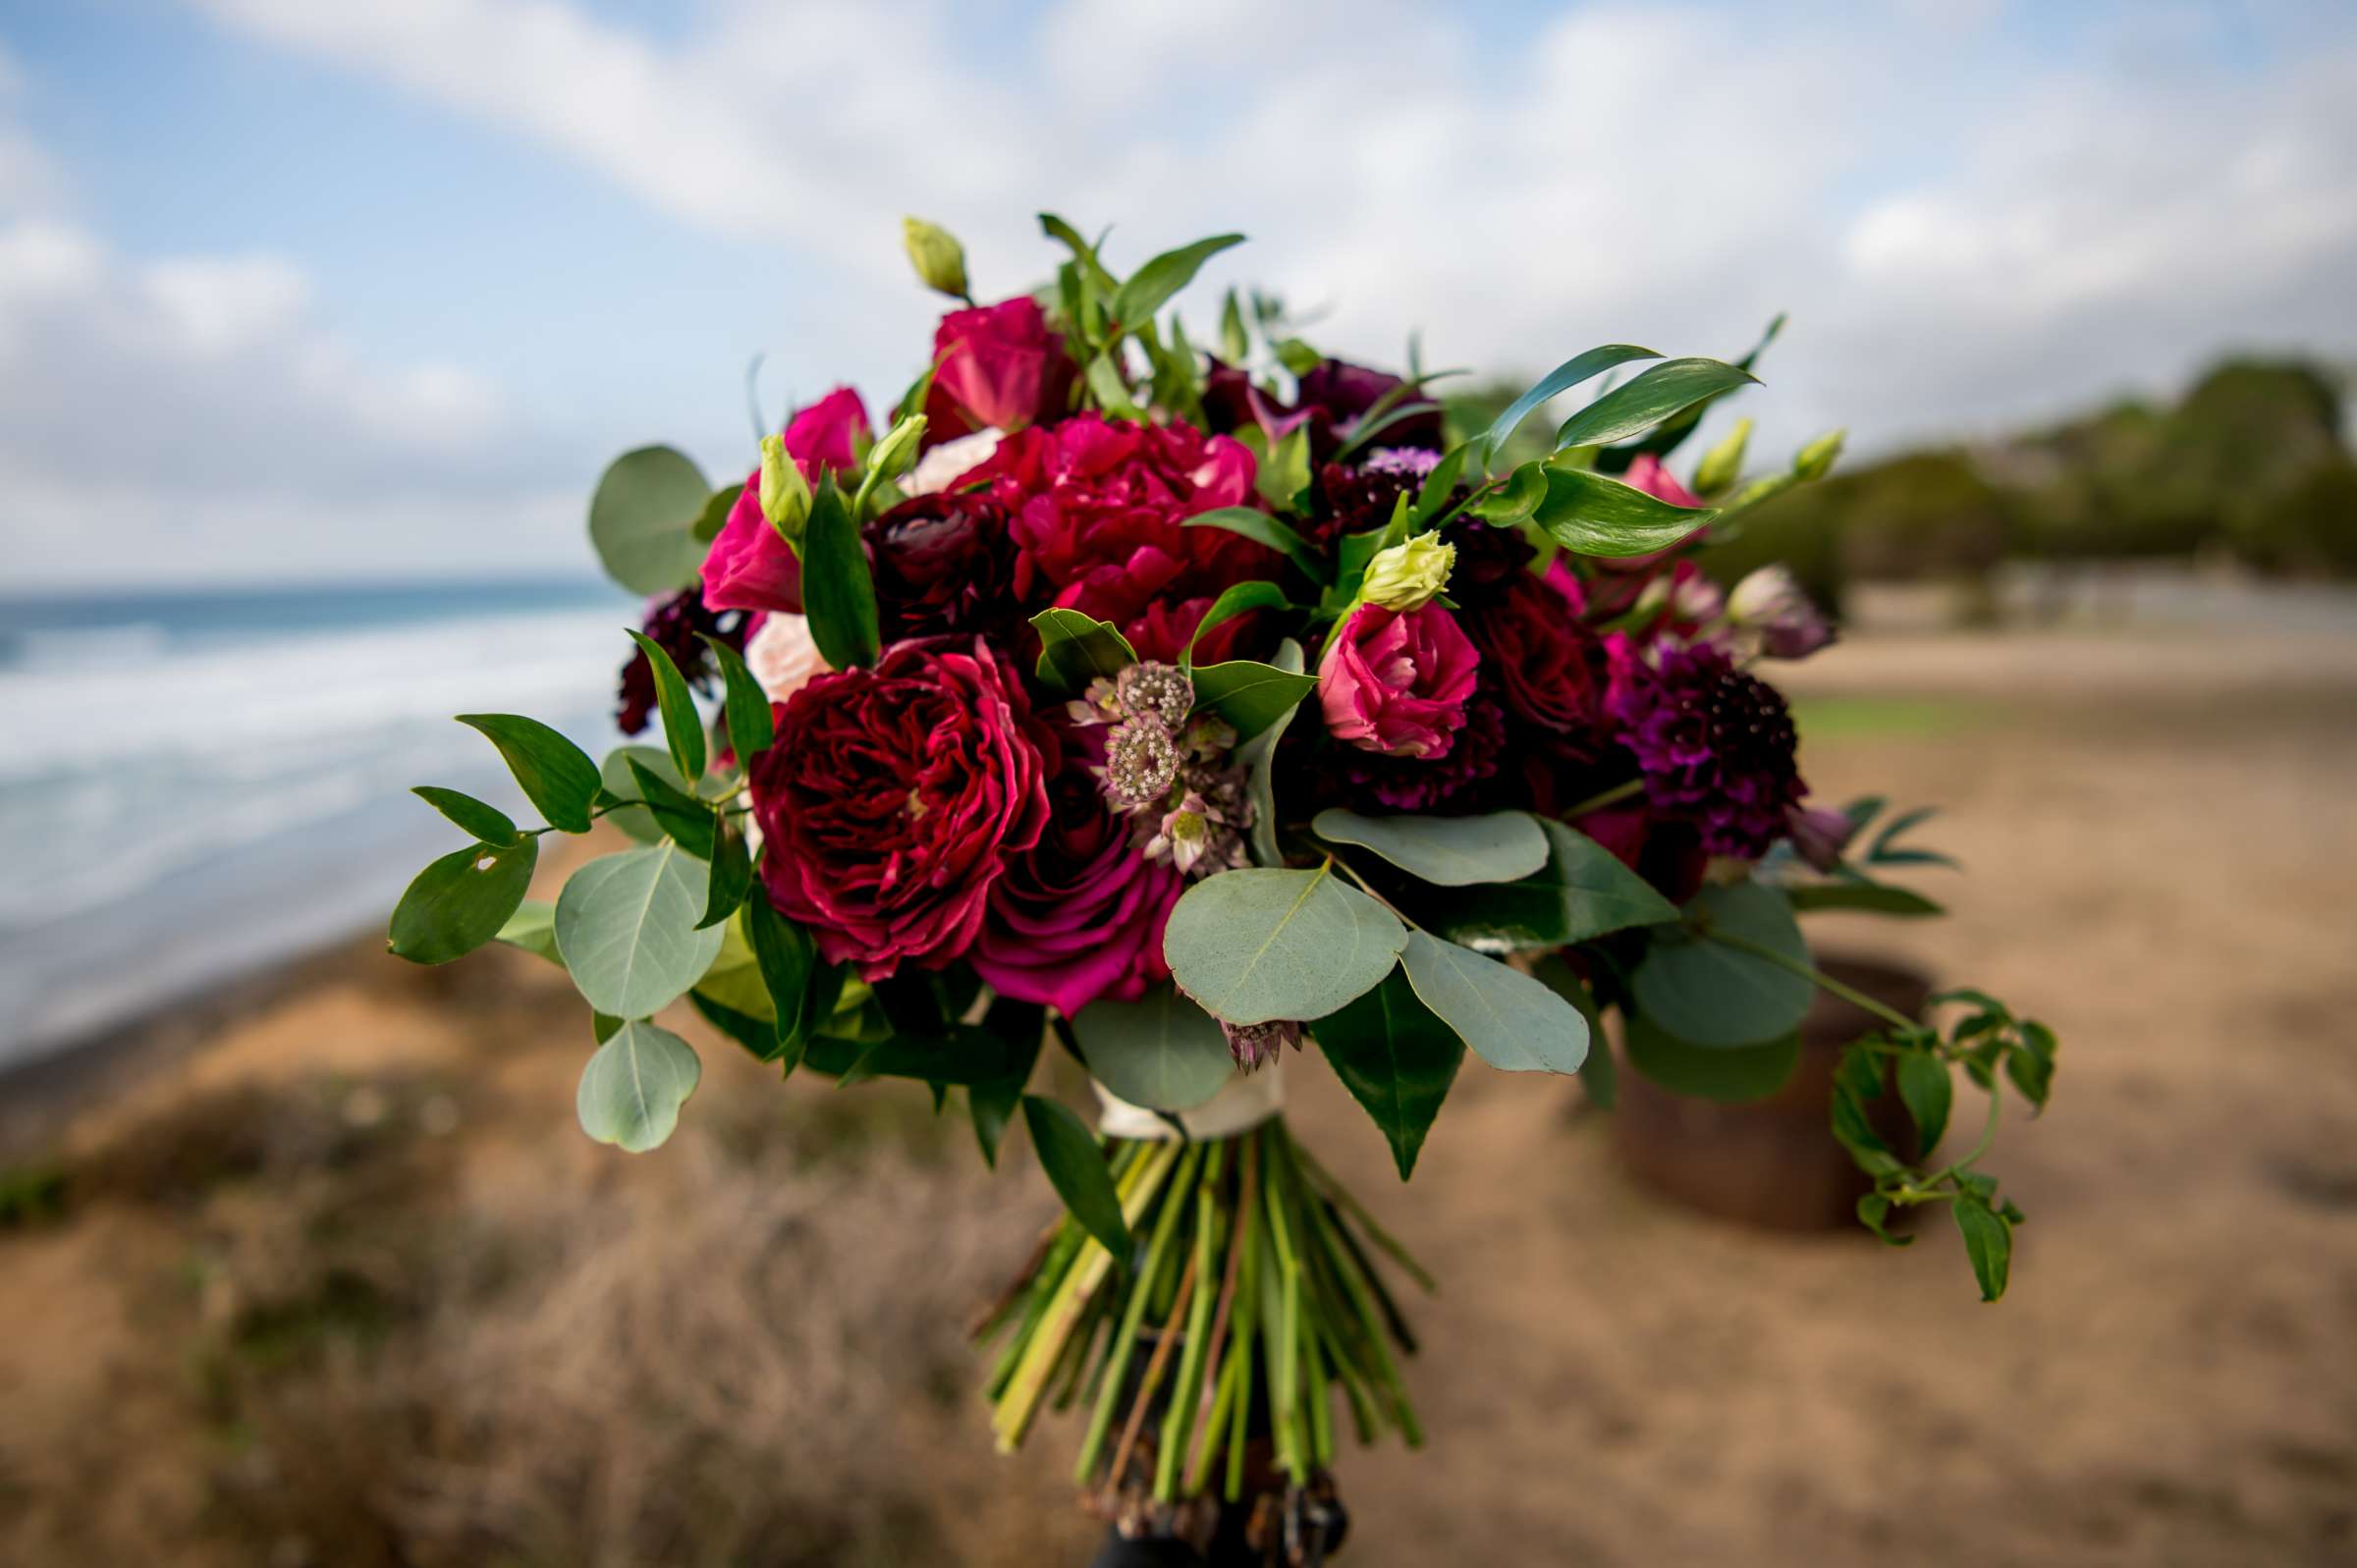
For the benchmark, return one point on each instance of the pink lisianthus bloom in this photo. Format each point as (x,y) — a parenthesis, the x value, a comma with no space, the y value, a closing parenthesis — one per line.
(998,366)
(1397,683)
(749,566)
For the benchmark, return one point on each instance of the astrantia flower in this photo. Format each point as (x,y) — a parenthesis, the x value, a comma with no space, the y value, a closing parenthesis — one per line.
(748,566)
(1396,684)
(1080,914)
(892,797)
(1255,1044)
(1716,746)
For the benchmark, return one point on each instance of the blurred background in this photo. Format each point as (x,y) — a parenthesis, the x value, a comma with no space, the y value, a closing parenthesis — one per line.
(317,323)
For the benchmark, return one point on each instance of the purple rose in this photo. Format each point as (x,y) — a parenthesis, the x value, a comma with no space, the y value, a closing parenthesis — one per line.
(1396,684)
(749,566)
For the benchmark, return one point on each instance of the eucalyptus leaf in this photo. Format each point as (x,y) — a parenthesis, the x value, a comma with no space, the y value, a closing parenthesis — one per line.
(462,900)
(1150,287)
(616,780)
(1447,851)
(1582,892)
(682,725)
(1512,1023)
(1589,514)
(633,1088)
(625,925)
(1869,897)
(1709,994)
(839,593)
(752,725)
(643,520)
(1259,758)
(1263,529)
(1563,378)
(1075,1168)
(532,928)
(1076,649)
(1658,392)
(555,775)
(1398,1060)
(1267,943)
(1163,1053)
(487,824)
(1731,1075)
(714,516)
(1250,695)
(686,820)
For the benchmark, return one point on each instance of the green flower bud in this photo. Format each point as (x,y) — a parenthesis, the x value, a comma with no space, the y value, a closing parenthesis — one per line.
(1816,460)
(1723,462)
(1406,576)
(785,492)
(896,452)
(939,259)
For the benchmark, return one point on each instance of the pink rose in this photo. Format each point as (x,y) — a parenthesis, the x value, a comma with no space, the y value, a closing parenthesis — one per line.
(1397,683)
(999,366)
(749,566)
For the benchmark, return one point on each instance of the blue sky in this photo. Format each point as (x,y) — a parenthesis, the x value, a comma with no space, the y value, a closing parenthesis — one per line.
(292,289)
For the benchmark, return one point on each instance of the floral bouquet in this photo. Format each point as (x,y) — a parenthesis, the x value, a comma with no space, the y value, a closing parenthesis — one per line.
(1179,706)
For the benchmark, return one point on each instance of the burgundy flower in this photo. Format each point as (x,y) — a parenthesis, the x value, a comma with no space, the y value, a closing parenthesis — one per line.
(1080,914)
(1353,498)
(943,563)
(892,797)
(998,367)
(672,623)
(1396,684)
(1716,746)
(749,566)
(1546,662)
(1457,780)
(1337,393)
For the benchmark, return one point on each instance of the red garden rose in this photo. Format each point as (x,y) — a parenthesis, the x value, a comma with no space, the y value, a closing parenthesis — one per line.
(749,566)
(998,367)
(1078,915)
(1544,660)
(891,798)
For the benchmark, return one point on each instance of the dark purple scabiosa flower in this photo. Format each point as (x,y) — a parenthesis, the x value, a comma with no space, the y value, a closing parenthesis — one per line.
(672,624)
(1455,780)
(1354,498)
(1714,745)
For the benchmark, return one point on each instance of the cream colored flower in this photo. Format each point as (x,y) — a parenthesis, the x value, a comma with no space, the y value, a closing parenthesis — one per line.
(781,655)
(940,467)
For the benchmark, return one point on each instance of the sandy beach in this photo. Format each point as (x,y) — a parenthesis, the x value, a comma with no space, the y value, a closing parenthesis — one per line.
(322,1271)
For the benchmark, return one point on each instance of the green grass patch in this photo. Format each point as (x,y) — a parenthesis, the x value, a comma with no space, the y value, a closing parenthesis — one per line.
(1888,718)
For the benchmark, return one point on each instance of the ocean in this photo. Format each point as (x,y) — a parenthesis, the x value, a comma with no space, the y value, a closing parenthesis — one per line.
(200,784)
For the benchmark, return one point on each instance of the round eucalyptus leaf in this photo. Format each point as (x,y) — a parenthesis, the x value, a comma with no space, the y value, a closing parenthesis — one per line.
(1708,993)
(1267,943)
(644,517)
(613,773)
(1163,1053)
(1512,1021)
(633,1088)
(1447,851)
(626,926)
(462,900)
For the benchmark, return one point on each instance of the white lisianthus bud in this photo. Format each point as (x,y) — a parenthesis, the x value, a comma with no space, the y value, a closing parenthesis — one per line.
(946,463)
(785,492)
(939,259)
(1407,575)
(898,449)
(1816,460)
(1723,462)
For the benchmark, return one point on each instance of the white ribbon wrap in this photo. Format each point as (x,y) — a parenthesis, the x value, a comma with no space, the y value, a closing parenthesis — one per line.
(1244,1101)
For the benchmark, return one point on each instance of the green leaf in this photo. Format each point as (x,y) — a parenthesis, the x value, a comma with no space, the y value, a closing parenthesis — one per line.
(643,520)
(1235,346)
(1583,892)
(683,819)
(1297,357)
(533,928)
(1873,898)
(839,595)
(787,960)
(1283,474)
(715,515)
(1109,387)
(1259,759)
(556,775)
(1076,649)
(1518,501)
(1599,1074)
(682,725)
(1661,391)
(617,783)
(633,1088)
(1259,945)
(462,900)
(1988,1243)
(1263,529)
(1447,851)
(1433,497)
(1512,1023)
(1250,695)
(962,1054)
(487,824)
(1150,287)
(1672,434)
(1727,1075)
(1163,1053)
(732,875)
(2031,1063)
(990,1106)
(1563,378)
(1873,1210)
(1592,515)
(625,925)
(751,725)
(1396,1059)
(1708,993)
(1075,1169)
(1236,599)
(1927,1091)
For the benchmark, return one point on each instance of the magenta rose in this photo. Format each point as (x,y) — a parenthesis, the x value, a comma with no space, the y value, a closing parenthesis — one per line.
(749,566)
(998,367)
(1080,914)
(893,798)
(1397,683)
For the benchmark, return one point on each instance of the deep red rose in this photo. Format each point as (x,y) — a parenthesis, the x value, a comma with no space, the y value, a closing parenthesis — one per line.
(1079,915)
(749,566)
(1547,663)
(998,367)
(892,797)
(943,563)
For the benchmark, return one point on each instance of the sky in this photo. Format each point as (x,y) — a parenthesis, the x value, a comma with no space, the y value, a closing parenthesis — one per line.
(371,290)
